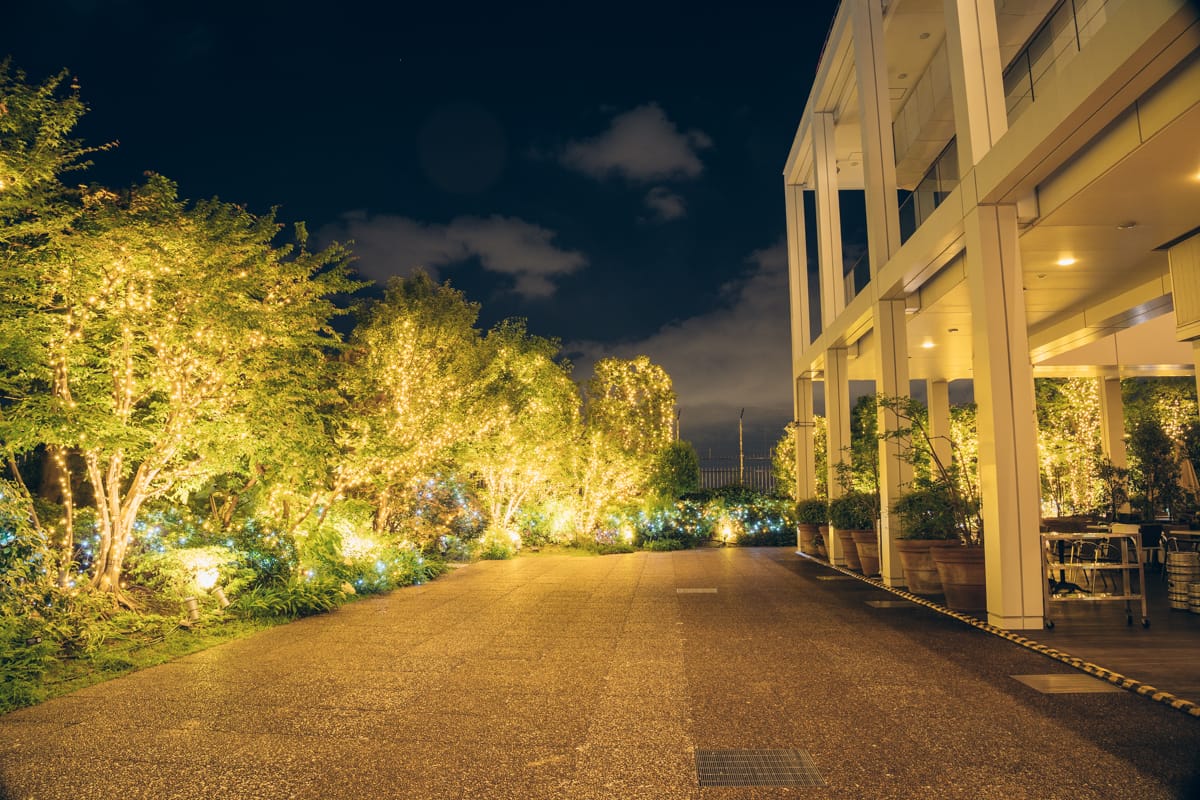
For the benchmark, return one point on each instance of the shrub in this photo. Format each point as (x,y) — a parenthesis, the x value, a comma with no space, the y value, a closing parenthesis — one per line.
(927,512)
(853,511)
(813,511)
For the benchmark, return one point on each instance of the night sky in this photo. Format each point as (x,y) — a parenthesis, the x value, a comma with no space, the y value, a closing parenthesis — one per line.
(612,173)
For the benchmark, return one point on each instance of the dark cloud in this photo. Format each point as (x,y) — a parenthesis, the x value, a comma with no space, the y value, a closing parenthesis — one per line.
(665,204)
(639,145)
(390,245)
(735,357)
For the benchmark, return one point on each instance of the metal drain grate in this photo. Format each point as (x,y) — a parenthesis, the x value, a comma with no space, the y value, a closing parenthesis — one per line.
(889,603)
(835,578)
(756,768)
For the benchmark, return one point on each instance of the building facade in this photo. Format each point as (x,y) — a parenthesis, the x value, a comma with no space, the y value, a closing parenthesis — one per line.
(1029,176)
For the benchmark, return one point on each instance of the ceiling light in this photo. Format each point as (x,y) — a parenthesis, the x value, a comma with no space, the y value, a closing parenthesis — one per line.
(952,330)
(924,35)
(902,76)
(927,344)
(1127,226)
(1065,261)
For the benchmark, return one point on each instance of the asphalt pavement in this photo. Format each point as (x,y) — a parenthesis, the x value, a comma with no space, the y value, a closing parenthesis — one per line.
(558,676)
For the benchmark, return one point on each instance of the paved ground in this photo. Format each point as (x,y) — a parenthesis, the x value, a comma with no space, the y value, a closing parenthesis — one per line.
(575,677)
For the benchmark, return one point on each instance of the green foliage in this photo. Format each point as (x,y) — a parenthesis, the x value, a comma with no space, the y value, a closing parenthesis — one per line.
(1069,446)
(783,460)
(927,511)
(813,511)
(1154,473)
(291,599)
(959,478)
(496,550)
(676,471)
(853,511)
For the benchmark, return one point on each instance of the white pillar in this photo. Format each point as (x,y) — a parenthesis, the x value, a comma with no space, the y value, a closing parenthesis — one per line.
(879,151)
(806,454)
(1196,362)
(1112,421)
(891,379)
(1008,462)
(837,417)
(829,218)
(938,402)
(798,297)
(976,78)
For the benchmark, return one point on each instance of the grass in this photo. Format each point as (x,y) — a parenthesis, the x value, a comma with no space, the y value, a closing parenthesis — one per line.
(121,656)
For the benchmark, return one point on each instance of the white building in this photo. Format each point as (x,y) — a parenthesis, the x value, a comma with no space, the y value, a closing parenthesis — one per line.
(1052,153)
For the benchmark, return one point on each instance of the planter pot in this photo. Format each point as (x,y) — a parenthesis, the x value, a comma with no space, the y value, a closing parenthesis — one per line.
(822,547)
(963,577)
(849,551)
(806,538)
(867,544)
(919,570)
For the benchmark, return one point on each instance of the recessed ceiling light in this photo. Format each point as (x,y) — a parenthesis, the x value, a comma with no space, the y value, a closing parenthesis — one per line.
(902,76)
(924,35)
(927,344)
(952,330)
(1065,261)
(1127,226)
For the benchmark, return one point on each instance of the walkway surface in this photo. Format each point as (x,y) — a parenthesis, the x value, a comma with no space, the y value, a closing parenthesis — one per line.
(600,677)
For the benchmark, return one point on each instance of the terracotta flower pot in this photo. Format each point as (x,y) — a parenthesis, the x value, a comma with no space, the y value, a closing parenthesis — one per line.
(849,551)
(867,544)
(806,536)
(964,579)
(823,541)
(919,570)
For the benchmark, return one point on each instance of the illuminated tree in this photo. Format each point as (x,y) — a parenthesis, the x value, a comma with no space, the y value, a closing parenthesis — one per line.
(633,403)
(676,471)
(36,149)
(167,329)
(1069,445)
(628,422)
(411,386)
(527,420)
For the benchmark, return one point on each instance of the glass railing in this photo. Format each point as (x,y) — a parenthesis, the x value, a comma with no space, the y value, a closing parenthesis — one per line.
(1069,27)
(935,186)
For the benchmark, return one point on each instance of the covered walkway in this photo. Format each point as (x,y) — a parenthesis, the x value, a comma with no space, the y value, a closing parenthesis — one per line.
(606,677)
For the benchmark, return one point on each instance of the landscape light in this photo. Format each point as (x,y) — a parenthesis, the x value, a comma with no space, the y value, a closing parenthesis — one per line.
(192,607)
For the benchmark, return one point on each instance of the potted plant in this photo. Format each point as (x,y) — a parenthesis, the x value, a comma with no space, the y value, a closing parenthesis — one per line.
(811,515)
(853,518)
(959,559)
(926,517)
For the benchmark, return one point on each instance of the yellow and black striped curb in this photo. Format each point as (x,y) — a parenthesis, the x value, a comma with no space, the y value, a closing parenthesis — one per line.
(1115,678)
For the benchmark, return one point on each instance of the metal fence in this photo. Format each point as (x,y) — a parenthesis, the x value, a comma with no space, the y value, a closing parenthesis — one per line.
(725,471)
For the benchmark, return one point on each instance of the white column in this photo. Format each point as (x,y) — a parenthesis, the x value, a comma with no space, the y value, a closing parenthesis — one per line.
(1196,363)
(891,379)
(806,453)
(1008,463)
(938,393)
(1112,421)
(798,271)
(976,78)
(829,218)
(879,160)
(837,417)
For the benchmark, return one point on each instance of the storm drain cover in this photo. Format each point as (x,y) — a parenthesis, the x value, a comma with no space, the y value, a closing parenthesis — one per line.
(695,591)
(888,603)
(1067,683)
(756,768)
(835,578)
